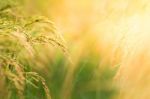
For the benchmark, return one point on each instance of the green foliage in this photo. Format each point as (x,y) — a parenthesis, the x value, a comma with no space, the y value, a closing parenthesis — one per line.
(90,82)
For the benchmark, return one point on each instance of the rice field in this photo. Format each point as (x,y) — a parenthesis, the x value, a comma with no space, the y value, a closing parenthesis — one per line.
(74,49)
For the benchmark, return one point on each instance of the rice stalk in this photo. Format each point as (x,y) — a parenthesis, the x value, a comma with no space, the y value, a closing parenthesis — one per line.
(20,34)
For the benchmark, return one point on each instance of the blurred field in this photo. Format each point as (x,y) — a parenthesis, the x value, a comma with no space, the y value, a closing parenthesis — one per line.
(107,54)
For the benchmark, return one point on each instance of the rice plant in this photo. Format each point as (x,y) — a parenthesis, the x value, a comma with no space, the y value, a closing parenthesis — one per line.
(19,37)
(24,39)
